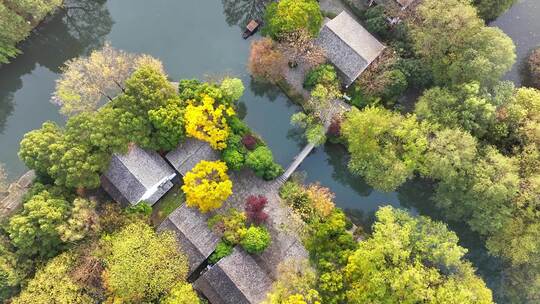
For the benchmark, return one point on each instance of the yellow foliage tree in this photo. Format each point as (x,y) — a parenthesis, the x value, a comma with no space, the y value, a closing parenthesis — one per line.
(322,199)
(207,121)
(207,185)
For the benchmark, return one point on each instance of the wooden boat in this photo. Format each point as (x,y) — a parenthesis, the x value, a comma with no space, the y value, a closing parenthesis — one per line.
(251,28)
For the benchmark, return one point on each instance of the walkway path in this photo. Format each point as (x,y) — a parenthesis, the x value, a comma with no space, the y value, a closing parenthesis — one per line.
(337,107)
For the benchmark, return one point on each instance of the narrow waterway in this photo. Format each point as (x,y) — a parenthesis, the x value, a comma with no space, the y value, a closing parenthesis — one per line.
(201,38)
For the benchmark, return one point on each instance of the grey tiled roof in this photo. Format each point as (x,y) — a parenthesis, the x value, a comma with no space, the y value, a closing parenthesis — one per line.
(189,153)
(137,175)
(235,279)
(192,232)
(348,45)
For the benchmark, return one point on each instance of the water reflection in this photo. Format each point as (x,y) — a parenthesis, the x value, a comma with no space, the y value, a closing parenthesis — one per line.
(72,32)
(240,12)
(264,89)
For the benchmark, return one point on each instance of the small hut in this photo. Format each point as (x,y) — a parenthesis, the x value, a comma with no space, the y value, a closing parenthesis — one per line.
(349,46)
(139,175)
(192,233)
(235,279)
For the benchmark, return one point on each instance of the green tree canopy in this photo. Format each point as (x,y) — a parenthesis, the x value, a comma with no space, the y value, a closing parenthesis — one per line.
(457,44)
(48,221)
(287,16)
(35,146)
(463,107)
(386,148)
(52,284)
(141,265)
(412,260)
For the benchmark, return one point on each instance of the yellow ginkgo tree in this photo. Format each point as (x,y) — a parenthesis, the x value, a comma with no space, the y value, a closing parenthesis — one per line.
(206,120)
(207,185)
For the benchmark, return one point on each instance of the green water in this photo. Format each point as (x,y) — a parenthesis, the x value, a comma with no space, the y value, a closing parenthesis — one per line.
(202,38)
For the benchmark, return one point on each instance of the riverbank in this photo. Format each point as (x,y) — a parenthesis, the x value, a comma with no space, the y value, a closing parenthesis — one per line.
(21,19)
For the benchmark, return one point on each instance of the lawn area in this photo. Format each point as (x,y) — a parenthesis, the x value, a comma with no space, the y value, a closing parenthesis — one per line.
(167,204)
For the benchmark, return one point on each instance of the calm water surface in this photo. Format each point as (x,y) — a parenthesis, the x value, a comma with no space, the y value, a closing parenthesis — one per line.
(201,38)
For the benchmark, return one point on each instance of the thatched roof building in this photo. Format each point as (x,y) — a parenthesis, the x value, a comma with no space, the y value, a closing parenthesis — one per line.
(235,279)
(192,233)
(136,176)
(189,153)
(349,46)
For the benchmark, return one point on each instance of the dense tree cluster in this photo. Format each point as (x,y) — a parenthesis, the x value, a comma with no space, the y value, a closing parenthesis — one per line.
(458,46)
(411,260)
(75,156)
(386,148)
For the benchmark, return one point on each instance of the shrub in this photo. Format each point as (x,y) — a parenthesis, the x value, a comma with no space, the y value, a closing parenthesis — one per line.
(233,158)
(255,209)
(232,225)
(395,84)
(223,249)
(142,208)
(238,126)
(261,161)
(324,74)
(256,239)
(273,171)
(249,141)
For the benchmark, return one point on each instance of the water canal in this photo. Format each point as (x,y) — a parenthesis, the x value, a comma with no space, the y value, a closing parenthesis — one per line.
(201,38)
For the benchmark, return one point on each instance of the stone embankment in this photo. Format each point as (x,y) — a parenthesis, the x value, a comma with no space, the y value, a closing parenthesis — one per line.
(11,200)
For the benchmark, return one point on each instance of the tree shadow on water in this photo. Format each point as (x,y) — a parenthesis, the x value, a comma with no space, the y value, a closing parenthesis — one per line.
(73,31)
(240,12)
(338,158)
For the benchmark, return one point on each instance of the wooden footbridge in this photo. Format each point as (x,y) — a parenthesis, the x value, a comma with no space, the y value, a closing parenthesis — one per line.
(338,107)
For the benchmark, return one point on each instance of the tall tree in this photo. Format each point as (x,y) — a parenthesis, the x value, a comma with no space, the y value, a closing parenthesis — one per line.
(35,146)
(48,221)
(86,82)
(207,185)
(412,260)
(386,148)
(53,284)
(141,265)
(457,44)
(266,61)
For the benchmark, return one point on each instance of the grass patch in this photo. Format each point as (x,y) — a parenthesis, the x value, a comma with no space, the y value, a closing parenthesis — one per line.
(167,204)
